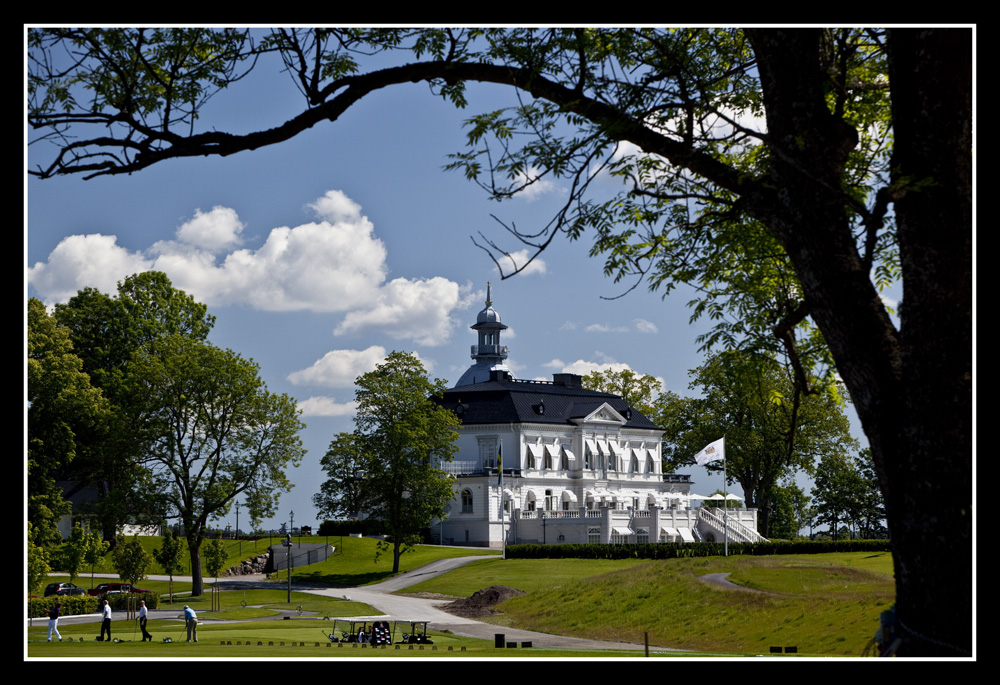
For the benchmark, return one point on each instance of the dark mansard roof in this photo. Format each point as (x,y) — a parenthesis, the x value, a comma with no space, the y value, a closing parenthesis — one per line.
(563,401)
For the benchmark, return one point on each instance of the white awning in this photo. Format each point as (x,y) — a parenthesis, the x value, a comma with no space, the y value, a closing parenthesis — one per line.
(536,451)
(553,450)
(616,447)
(508,496)
(567,494)
(640,458)
(686,534)
(621,530)
(604,447)
(672,532)
(590,445)
(570,456)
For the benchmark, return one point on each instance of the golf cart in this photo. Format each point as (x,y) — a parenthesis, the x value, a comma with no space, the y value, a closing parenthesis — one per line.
(372,630)
(416,635)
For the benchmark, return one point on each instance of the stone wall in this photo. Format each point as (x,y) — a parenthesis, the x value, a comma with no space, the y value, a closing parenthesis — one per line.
(255,564)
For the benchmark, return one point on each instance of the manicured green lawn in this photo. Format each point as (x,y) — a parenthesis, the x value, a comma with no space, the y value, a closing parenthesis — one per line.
(354,564)
(824,604)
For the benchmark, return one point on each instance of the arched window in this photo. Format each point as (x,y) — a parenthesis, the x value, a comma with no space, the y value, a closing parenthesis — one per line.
(466,501)
(594,536)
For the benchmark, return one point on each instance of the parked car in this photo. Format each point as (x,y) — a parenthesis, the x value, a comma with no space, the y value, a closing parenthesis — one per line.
(63,589)
(105,588)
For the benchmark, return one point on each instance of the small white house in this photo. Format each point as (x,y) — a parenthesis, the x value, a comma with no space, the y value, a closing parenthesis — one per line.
(552,462)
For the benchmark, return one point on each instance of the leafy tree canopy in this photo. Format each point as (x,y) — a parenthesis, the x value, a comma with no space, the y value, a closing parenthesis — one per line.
(772,429)
(213,432)
(215,556)
(640,391)
(109,333)
(66,418)
(400,439)
(131,561)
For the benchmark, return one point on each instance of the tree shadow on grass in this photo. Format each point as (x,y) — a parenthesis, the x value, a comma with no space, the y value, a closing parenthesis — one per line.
(344,579)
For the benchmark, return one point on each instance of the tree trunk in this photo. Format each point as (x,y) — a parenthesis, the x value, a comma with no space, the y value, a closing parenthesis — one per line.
(396,552)
(197,582)
(912,387)
(927,474)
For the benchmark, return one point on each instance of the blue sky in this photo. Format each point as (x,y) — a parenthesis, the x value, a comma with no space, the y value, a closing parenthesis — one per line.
(320,255)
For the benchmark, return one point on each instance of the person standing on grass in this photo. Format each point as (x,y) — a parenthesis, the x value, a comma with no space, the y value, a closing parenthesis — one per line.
(191,619)
(142,621)
(106,623)
(54,622)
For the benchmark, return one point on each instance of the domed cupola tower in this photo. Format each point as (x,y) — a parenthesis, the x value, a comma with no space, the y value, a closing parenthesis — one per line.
(489,354)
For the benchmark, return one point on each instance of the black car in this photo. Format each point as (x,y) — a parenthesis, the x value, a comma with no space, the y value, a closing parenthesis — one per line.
(63,589)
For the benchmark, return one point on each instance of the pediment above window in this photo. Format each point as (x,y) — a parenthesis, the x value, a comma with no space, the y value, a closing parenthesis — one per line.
(604,414)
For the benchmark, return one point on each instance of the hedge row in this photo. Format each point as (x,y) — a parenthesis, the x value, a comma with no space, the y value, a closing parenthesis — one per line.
(76,605)
(672,550)
(352,527)
(366,528)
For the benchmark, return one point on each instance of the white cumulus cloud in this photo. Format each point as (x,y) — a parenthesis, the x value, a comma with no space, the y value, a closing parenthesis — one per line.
(327,406)
(644,326)
(535,186)
(214,231)
(333,264)
(513,260)
(419,310)
(339,368)
(81,261)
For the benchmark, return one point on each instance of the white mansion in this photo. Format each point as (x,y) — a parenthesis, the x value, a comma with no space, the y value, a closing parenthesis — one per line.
(578,465)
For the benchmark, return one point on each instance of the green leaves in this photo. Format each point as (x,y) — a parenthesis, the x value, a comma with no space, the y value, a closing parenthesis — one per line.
(638,391)
(66,418)
(189,427)
(215,555)
(170,552)
(772,430)
(215,431)
(388,467)
(131,560)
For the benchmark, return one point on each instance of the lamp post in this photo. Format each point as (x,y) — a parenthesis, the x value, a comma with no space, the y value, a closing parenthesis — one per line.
(291,527)
(240,542)
(288,559)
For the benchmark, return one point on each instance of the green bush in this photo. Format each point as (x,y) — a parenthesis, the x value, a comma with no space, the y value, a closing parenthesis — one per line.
(71,605)
(352,527)
(119,601)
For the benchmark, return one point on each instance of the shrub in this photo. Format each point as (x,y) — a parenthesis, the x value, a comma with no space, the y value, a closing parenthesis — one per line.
(71,605)
(119,601)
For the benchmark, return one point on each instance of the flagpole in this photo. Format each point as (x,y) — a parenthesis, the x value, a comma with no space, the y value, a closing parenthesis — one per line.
(725,492)
(712,452)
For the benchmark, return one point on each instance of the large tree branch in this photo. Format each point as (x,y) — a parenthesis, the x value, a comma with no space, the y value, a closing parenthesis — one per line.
(344,92)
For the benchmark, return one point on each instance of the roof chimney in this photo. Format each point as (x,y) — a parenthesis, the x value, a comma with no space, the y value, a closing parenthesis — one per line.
(569,380)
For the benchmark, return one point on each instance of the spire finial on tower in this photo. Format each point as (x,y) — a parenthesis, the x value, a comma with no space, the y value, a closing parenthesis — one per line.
(489,300)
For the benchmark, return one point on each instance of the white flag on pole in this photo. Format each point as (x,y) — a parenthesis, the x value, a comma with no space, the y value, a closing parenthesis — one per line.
(715,451)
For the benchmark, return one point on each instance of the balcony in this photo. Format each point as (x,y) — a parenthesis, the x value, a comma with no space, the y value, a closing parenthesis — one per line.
(489,351)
